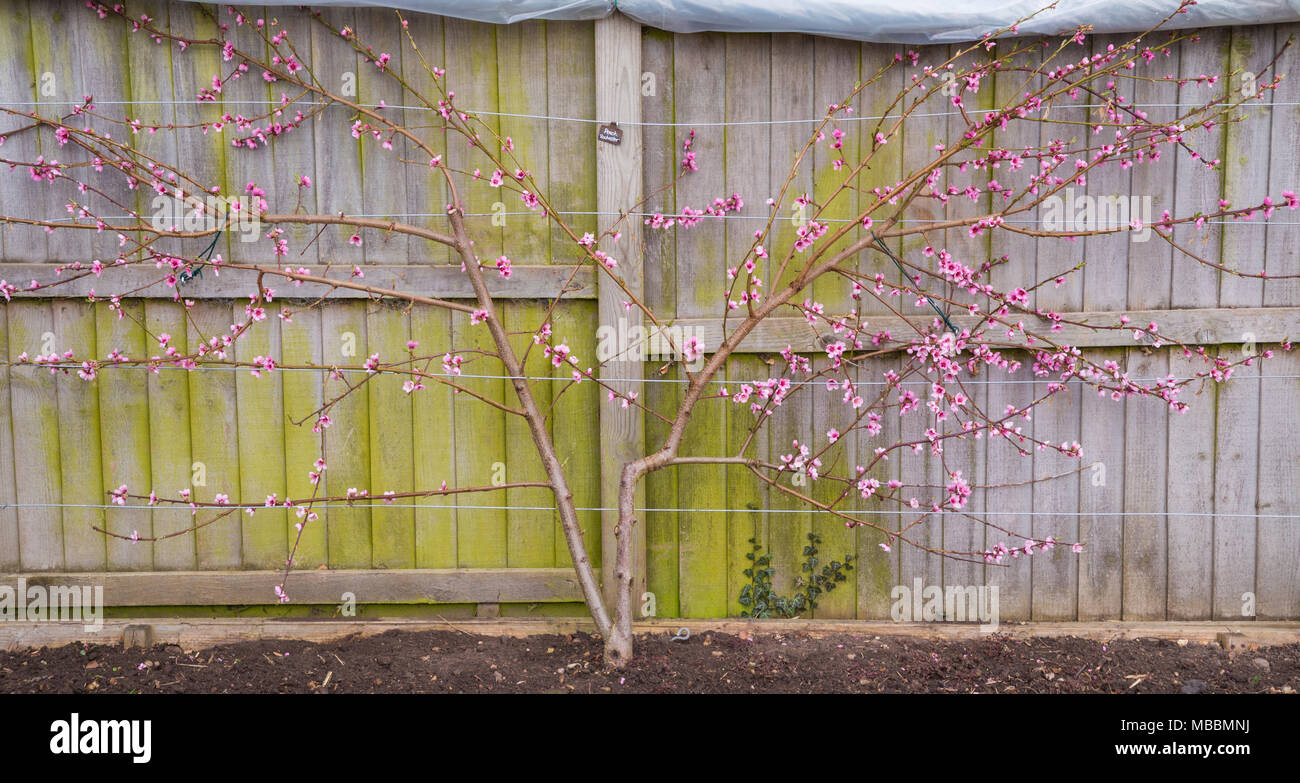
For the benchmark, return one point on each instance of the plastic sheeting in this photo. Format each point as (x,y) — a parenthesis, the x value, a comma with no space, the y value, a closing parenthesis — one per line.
(944,21)
(494,11)
(885,21)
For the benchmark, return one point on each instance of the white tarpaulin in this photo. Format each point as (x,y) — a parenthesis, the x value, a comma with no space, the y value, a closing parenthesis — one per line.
(891,21)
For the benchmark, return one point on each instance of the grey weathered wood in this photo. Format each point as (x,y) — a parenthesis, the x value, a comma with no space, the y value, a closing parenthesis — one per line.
(1146,466)
(37,475)
(1101,487)
(1191,488)
(1055,572)
(1246,440)
(960,532)
(79,442)
(836,70)
(1146,463)
(1277,569)
(338,156)
(920,471)
(1008,471)
(1277,578)
(214,441)
(1192,485)
(1246,150)
(1004,463)
(8,516)
(81,59)
(748,98)
(124,429)
(384,176)
(19,85)
(660,268)
(243,588)
(170,455)
(792,73)
(425,186)
(699,65)
(877,569)
(439,282)
(619,188)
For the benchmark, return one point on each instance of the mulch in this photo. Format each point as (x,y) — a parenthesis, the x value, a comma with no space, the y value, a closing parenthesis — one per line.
(457,662)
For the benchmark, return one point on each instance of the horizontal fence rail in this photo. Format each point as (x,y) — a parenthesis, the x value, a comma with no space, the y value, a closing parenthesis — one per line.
(252,588)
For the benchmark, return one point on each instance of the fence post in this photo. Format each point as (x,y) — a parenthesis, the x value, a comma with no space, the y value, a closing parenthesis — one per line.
(619,187)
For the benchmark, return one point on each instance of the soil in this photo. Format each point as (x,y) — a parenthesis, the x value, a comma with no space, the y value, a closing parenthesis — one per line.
(451,661)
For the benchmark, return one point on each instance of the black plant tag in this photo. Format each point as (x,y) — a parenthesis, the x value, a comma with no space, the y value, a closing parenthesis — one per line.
(610,134)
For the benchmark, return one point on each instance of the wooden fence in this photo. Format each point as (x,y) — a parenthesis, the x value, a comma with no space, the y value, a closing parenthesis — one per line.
(1180,521)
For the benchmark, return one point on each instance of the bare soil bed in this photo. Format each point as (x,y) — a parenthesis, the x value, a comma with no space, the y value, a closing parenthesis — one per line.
(457,662)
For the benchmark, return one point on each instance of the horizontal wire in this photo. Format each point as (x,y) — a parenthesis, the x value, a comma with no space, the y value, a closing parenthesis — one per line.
(361,371)
(638,123)
(610,213)
(378,503)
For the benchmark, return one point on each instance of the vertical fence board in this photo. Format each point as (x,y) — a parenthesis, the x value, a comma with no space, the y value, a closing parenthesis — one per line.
(1055,571)
(1101,488)
(1192,441)
(20,80)
(530,536)
(579,429)
(124,431)
(169,435)
(963,532)
(618,189)
(8,516)
(260,417)
(338,157)
(347,441)
(473,75)
(301,343)
(1277,578)
(214,441)
(65,51)
(699,66)
(383,174)
(480,533)
(431,445)
(919,470)
(1007,468)
(789,523)
(836,70)
(392,466)
(201,151)
(1146,421)
(79,444)
(36,427)
(660,162)
(293,151)
(426,190)
(748,98)
(877,567)
(521,50)
(1246,161)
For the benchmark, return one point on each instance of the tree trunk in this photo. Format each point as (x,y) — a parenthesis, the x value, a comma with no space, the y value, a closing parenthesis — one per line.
(618,644)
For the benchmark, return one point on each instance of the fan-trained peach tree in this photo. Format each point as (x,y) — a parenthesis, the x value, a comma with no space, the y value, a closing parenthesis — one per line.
(107,169)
